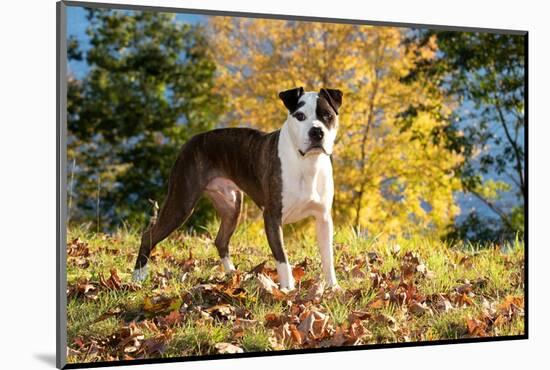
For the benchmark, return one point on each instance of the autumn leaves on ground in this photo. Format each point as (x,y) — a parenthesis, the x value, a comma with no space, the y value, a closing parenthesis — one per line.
(409,290)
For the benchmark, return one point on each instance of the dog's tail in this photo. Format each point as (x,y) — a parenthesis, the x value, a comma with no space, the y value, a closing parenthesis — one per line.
(155,206)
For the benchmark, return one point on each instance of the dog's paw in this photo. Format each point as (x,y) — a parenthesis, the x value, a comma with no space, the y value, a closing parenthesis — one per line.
(335,289)
(228,266)
(287,289)
(140,274)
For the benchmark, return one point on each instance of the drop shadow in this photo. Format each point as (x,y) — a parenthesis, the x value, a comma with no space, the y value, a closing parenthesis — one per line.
(47,358)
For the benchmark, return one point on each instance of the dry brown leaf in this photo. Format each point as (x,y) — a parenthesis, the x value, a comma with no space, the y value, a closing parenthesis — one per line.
(296,336)
(462,300)
(315,292)
(442,304)
(266,283)
(222,312)
(339,337)
(113,282)
(420,308)
(313,323)
(273,320)
(154,346)
(357,272)
(173,318)
(476,327)
(358,315)
(298,273)
(262,269)
(78,248)
(189,264)
(377,303)
(83,288)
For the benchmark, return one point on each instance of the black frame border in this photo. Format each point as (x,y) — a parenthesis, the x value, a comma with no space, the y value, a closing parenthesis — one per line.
(61,216)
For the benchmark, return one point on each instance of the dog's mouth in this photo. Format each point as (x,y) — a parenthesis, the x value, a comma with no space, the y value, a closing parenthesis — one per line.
(317,148)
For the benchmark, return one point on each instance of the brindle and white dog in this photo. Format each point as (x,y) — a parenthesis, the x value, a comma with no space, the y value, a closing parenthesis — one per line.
(287,173)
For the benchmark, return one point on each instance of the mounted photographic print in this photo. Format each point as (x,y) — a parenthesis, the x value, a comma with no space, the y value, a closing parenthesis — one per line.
(234,184)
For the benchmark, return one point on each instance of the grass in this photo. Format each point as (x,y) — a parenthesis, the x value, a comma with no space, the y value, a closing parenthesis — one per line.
(494,273)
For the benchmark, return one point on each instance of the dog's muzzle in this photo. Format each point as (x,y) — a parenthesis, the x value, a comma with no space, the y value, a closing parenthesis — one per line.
(315,147)
(316,135)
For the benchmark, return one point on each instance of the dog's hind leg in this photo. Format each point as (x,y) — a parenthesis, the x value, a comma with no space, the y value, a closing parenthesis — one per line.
(227,199)
(178,206)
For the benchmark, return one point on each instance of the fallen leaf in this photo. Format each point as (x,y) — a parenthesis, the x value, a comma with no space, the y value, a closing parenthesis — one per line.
(377,303)
(262,269)
(173,318)
(273,320)
(109,313)
(339,338)
(420,308)
(298,273)
(113,282)
(189,264)
(222,312)
(443,304)
(83,288)
(80,262)
(297,336)
(161,303)
(154,346)
(373,257)
(228,348)
(358,315)
(476,327)
(357,273)
(78,248)
(315,292)
(462,300)
(266,283)
(313,323)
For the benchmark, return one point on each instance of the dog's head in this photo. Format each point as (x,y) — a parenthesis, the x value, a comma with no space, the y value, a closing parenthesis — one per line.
(312,119)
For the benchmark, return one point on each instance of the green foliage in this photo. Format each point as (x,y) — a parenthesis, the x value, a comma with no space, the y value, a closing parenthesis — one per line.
(484,72)
(148,90)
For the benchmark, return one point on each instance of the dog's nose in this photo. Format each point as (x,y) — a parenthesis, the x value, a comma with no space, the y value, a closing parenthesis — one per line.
(316,133)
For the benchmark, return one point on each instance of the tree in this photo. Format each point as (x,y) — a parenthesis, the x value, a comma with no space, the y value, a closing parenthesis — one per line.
(386,180)
(148,89)
(485,72)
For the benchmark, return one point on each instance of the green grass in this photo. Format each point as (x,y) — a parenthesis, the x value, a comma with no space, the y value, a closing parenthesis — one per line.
(495,272)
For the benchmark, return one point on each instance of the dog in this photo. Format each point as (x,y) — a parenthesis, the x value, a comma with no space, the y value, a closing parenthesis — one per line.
(287,173)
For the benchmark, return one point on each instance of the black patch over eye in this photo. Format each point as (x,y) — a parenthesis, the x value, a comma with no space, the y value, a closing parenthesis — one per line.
(299,116)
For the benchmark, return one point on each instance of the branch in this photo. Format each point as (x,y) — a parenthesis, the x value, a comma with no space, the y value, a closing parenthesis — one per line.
(514,147)
(493,207)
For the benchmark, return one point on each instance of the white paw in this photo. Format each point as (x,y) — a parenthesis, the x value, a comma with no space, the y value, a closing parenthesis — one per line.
(227,265)
(140,274)
(286,280)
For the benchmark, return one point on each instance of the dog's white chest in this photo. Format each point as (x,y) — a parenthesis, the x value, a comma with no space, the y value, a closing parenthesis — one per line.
(307,186)
(301,198)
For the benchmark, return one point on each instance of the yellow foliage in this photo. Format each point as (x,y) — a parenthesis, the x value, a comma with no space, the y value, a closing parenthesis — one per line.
(386,182)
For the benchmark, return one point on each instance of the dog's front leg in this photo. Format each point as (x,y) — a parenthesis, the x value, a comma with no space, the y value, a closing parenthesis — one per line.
(324,240)
(274,232)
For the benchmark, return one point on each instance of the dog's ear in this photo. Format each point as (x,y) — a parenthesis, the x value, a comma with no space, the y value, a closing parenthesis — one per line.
(333,96)
(290,98)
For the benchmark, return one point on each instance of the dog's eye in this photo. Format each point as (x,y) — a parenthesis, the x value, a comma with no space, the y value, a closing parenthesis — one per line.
(327,117)
(300,116)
